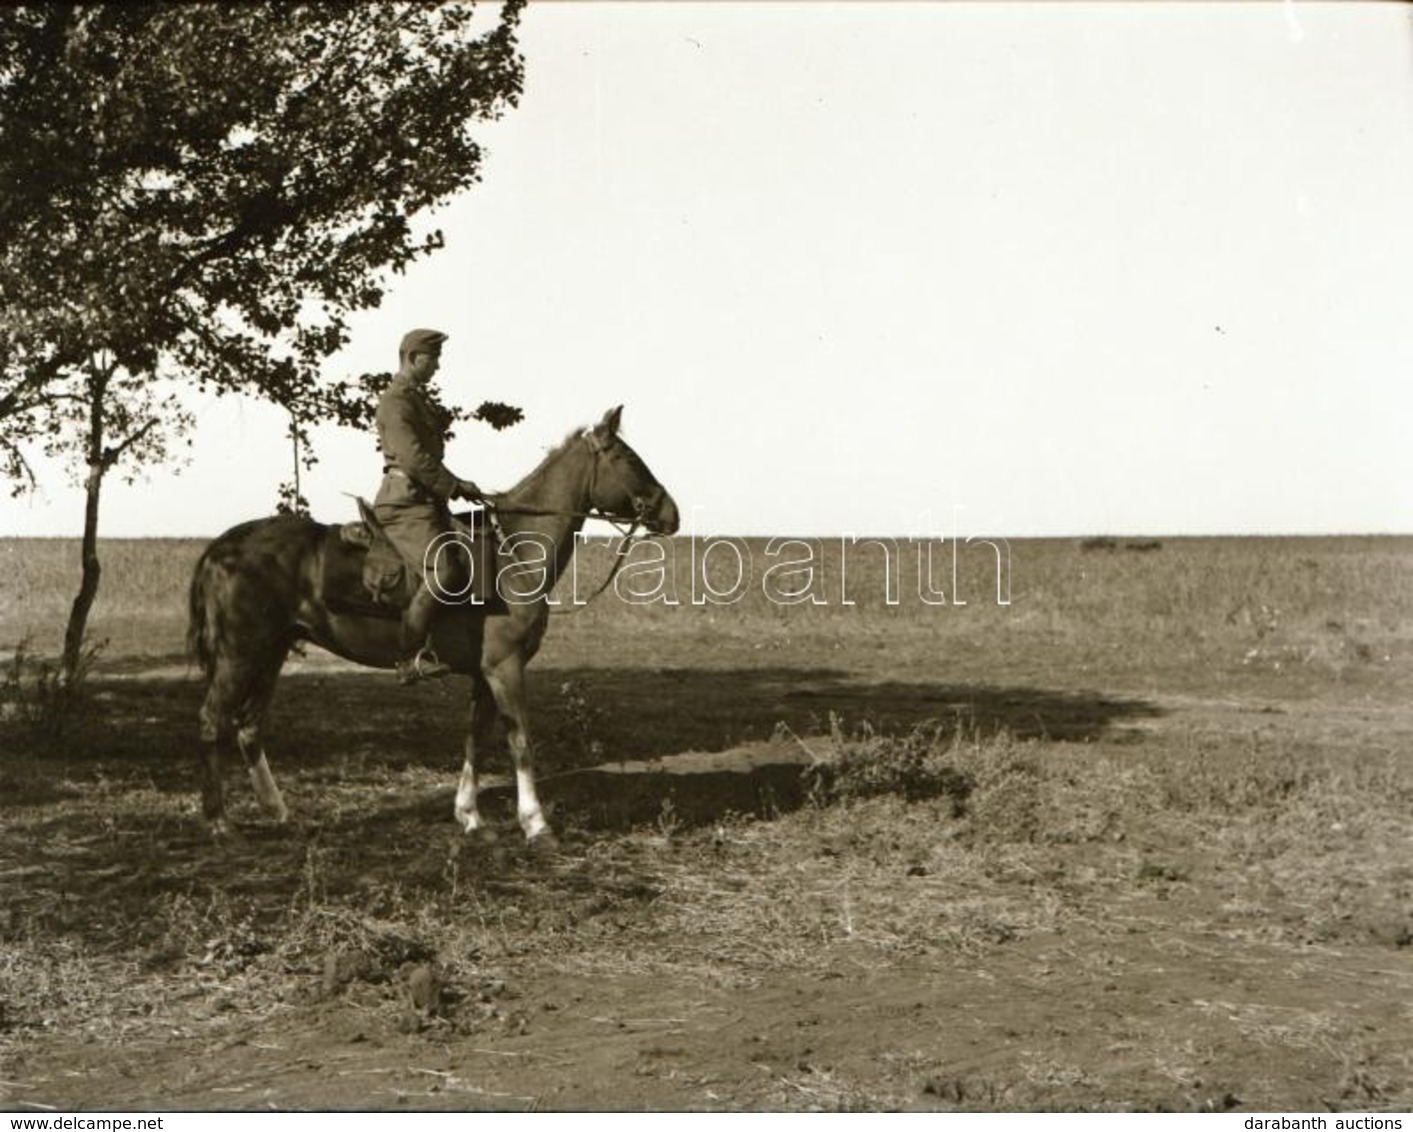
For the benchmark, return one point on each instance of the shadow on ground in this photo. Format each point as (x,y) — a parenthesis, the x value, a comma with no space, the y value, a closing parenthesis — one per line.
(106,828)
(144,730)
(618,747)
(585,716)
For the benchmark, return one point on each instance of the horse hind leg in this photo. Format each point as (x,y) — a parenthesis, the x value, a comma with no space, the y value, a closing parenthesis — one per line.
(242,600)
(236,702)
(216,732)
(251,720)
(266,790)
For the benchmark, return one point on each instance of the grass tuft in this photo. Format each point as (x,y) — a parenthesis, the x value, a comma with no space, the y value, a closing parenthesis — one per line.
(41,711)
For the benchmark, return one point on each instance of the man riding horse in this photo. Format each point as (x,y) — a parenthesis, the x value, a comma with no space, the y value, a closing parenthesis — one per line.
(412,501)
(261,586)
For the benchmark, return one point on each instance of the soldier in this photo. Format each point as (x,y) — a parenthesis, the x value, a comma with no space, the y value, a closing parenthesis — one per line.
(412,500)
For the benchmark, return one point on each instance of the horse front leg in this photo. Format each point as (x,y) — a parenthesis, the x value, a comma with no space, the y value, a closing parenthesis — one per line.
(481,719)
(508,686)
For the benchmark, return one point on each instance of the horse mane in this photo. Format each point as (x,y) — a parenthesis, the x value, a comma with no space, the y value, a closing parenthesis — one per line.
(553,454)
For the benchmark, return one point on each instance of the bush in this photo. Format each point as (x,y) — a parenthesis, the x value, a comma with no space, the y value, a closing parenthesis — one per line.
(916,766)
(39,709)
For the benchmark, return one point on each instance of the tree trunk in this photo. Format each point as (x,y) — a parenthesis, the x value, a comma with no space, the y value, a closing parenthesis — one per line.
(92,568)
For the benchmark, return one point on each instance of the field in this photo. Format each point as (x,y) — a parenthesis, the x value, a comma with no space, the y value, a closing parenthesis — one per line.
(1137,840)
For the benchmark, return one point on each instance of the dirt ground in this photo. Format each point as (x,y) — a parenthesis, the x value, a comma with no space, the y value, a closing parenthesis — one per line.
(1033,1026)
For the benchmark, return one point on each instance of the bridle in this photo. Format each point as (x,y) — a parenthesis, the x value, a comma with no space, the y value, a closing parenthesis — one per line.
(598,448)
(626,525)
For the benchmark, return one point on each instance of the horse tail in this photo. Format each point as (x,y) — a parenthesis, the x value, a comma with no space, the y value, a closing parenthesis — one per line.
(197,641)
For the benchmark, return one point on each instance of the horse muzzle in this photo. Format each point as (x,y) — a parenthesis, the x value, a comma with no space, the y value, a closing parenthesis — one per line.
(659,514)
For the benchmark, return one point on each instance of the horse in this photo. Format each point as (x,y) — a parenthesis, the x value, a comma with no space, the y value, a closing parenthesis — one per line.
(259,588)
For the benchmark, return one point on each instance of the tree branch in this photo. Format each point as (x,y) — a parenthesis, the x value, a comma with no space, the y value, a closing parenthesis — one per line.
(17,467)
(11,403)
(112,455)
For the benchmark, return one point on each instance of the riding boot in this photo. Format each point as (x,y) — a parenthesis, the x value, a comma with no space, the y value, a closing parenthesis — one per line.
(417,660)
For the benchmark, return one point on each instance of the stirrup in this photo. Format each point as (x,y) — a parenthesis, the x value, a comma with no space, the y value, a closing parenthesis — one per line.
(423,666)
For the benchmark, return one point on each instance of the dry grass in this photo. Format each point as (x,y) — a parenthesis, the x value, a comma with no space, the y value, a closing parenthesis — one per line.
(1191,899)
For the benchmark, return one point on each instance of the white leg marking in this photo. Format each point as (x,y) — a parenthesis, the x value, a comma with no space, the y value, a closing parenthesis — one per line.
(467,814)
(527,804)
(508,689)
(266,790)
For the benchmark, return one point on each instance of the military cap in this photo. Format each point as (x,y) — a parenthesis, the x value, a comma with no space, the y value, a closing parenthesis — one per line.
(421,342)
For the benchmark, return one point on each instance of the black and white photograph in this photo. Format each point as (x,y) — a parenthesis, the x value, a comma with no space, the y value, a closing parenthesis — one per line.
(723,556)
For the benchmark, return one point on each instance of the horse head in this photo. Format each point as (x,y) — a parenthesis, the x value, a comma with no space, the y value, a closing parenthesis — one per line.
(622,485)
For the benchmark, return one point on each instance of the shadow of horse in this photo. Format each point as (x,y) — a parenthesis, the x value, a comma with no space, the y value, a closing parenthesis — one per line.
(591,715)
(686,746)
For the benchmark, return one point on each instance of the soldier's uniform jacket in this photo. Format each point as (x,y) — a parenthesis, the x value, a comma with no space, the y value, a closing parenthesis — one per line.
(411,504)
(410,435)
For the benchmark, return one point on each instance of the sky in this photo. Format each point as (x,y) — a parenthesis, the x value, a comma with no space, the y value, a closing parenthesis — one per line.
(923,269)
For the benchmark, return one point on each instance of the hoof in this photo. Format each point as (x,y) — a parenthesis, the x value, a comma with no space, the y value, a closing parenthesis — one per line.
(469,820)
(481,835)
(223,833)
(544,843)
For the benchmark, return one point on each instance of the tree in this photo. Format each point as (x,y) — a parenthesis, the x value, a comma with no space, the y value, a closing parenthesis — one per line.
(202,194)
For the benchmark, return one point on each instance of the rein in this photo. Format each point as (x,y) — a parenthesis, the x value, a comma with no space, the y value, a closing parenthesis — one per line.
(606,516)
(629,538)
(628,530)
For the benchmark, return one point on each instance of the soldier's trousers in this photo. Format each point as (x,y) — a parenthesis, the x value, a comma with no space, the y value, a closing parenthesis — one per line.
(412,529)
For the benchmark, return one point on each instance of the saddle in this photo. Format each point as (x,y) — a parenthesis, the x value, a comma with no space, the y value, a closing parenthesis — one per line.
(364,575)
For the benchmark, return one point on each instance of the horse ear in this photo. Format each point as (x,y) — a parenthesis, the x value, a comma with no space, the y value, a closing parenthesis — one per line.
(611,419)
